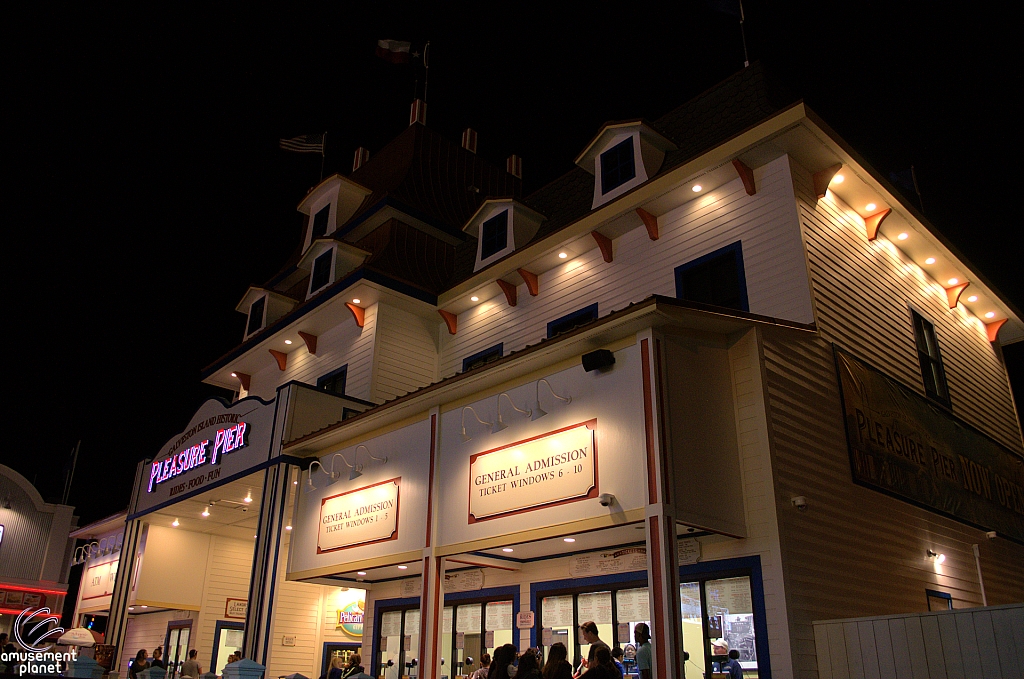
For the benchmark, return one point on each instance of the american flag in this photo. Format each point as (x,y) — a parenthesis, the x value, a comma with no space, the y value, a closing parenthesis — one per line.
(304,143)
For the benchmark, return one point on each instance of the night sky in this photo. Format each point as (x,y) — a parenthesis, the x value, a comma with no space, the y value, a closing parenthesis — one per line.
(145,192)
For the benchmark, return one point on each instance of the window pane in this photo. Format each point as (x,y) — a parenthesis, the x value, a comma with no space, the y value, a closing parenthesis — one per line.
(693,628)
(447,637)
(320,222)
(494,235)
(256,316)
(556,615)
(731,616)
(596,606)
(391,643)
(498,621)
(715,279)
(411,643)
(617,165)
(321,271)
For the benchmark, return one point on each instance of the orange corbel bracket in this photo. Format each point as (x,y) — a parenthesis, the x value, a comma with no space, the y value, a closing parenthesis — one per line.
(532,284)
(280,357)
(953,294)
(243,379)
(310,341)
(510,292)
(650,221)
(605,243)
(358,313)
(993,329)
(872,223)
(823,178)
(747,175)
(450,319)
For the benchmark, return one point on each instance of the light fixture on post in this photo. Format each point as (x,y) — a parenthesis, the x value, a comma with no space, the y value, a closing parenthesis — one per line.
(465,436)
(499,424)
(357,469)
(539,412)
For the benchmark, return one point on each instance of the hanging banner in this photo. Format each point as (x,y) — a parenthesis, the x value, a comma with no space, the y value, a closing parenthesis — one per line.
(359,517)
(903,445)
(554,468)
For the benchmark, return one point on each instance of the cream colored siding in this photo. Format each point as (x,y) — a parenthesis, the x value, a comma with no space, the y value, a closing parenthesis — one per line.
(296,612)
(863,295)
(228,571)
(765,223)
(406,353)
(839,530)
(147,632)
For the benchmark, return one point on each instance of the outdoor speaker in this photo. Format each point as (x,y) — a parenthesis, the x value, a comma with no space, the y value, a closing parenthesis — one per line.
(598,360)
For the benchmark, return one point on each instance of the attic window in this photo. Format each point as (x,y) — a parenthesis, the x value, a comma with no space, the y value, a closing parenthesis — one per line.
(716,278)
(572,321)
(320,223)
(256,310)
(321,271)
(618,165)
(494,235)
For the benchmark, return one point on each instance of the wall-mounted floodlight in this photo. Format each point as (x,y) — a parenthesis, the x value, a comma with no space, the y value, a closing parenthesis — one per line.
(499,424)
(465,436)
(539,412)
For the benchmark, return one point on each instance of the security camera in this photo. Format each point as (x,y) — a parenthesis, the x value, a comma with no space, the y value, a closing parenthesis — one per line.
(991,535)
(800,502)
(606,499)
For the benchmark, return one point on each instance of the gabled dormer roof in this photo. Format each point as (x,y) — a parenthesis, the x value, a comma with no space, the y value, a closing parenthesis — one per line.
(349,257)
(255,292)
(348,191)
(610,130)
(472,226)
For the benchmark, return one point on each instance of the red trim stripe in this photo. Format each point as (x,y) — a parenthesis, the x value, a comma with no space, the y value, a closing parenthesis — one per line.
(424,609)
(436,617)
(430,488)
(659,591)
(675,622)
(666,485)
(652,482)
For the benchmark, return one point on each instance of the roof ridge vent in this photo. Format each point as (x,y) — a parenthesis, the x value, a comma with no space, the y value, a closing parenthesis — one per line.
(514,166)
(469,139)
(362,155)
(418,112)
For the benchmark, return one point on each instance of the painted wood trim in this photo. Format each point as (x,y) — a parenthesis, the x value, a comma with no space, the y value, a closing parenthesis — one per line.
(874,222)
(280,357)
(451,320)
(531,280)
(993,329)
(605,243)
(243,379)
(358,313)
(746,176)
(823,178)
(310,341)
(953,294)
(511,296)
(650,222)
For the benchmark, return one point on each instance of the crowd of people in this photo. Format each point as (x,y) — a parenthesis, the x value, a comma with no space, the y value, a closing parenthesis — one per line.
(189,669)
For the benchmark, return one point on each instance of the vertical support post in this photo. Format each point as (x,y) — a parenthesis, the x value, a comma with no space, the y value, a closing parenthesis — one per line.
(432,593)
(660,521)
(117,622)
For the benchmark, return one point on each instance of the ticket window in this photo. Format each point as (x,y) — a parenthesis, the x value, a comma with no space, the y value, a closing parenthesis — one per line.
(468,635)
(497,625)
(392,642)
(448,639)
(632,606)
(476,628)
(715,610)
(596,606)
(411,643)
(693,625)
(558,616)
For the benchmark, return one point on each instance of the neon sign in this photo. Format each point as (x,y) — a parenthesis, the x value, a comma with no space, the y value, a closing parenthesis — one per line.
(224,442)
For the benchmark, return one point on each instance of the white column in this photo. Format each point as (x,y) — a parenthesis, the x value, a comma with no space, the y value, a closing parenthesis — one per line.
(432,593)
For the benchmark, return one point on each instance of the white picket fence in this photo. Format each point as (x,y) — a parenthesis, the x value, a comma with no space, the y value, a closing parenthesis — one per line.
(973,643)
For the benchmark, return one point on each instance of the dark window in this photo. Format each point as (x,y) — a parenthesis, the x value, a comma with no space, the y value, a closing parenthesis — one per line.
(939,601)
(572,321)
(494,235)
(334,381)
(482,357)
(931,361)
(715,278)
(255,316)
(321,271)
(320,222)
(617,165)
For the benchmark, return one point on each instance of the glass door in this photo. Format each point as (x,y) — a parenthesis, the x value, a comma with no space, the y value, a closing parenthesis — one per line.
(176,645)
(227,639)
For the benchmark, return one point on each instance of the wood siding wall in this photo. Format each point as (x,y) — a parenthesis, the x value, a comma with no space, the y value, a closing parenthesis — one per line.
(854,551)
(405,355)
(863,294)
(147,632)
(765,223)
(228,571)
(296,612)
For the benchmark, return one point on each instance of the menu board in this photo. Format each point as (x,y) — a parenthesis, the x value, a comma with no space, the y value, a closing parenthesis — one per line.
(467,618)
(391,624)
(411,587)
(499,615)
(412,621)
(688,551)
(731,595)
(446,621)
(596,606)
(464,581)
(689,598)
(557,611)
(604,563)
(633,605)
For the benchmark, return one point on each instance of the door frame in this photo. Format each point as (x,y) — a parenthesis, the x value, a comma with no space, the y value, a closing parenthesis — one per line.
(185,623)
(344,645)
(221,625)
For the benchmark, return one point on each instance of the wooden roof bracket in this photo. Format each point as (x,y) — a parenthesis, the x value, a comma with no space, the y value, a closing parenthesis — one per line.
(310,341)
(746,175)
(243,379)
(605,243)
(872,223)
(650,221)
(953,294)
(993,329)
(510,290)
(358,313)
(823,178)
(532,283)
(450,319)
(280,357)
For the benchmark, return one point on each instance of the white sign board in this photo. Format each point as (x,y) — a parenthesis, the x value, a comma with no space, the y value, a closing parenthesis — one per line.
(689,551)
(557,467)
(463,581)
(605,563)
(524,620)
(359,517)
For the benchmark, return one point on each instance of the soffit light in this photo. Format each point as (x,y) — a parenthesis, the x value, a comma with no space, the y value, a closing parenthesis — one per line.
(954,281)
(474,298)
(568,539)
(870,207)
(562,255)
(697,188)
(930,260)
(287,527)
(143,606)
(402,567)
(355,301)
(838,179)
(902,236)
(234,374)
(507,550)
(360,572)
(972,298)
(287,341)
(175,523)
(990,314)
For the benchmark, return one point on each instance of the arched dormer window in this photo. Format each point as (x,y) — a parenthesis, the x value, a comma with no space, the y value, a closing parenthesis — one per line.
(623,156)
(500,226)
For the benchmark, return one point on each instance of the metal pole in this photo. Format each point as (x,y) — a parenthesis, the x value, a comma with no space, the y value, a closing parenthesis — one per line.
(743,33)
(977,562)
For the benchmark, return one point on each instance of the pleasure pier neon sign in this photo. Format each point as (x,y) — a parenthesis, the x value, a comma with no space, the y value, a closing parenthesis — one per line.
(225,441)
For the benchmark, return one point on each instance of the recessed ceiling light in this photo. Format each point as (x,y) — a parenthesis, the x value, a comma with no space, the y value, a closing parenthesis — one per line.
(287,527)
(234,374)
(697,188)
(295,483)
(287,341)
(902,236)
(131,608)
(361,573)
(255,536)
(954,281)
(507,549)
(474,298)
(143,606)
(402,567)
(990,314)
(930,260)
(870,206)
(562,255)
(355,301)
(972,298)
(568,539)
(838,179)
(175,523)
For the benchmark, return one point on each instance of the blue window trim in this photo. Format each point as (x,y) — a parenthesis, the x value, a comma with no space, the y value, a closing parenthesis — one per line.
(384,605)
(221,625)
(938,595)
(539,589)
(323,378)
(497,348)
(737,250)
(587,311)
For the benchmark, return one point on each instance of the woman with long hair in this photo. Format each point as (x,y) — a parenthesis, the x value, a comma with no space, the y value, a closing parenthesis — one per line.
(529,665)
(557,667)
(138,664)
(503,657)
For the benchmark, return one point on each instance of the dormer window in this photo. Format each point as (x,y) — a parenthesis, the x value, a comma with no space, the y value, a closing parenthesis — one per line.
(320,222)
(494,235)
(321,275)
(618,165)
(257,315)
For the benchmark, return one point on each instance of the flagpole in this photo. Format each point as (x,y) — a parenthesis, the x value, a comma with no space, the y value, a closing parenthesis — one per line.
(426,70)
(743,34)
(323,155)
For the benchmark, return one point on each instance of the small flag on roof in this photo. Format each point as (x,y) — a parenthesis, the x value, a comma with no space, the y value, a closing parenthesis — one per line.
(395,51)
(304,143)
